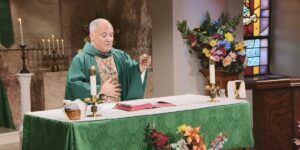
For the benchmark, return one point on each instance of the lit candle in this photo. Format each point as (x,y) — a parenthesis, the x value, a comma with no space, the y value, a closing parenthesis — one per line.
(93,80)
(21,31)
(53,42)
(49,47)
(43,40)
(57,42)
(212,76)
(62,47)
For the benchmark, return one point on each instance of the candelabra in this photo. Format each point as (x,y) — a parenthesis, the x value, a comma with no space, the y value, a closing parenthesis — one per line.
(24,69)
(212,89)
(53,59)
(54,66)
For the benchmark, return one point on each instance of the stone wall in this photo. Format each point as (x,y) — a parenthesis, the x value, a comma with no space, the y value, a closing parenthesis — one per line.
(62,18)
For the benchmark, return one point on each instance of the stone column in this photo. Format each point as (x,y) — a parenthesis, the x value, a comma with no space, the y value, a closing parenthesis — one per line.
(24,80)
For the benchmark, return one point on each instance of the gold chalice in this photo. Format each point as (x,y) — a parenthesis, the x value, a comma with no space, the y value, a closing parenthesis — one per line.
(237,89)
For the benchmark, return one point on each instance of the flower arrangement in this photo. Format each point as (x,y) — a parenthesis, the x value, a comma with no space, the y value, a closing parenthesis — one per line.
(215,40)
(191,139)
(155,139)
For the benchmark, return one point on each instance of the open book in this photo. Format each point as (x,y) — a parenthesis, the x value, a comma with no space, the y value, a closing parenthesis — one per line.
(131,107)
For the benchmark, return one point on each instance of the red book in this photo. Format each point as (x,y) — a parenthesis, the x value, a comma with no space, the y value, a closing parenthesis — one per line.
(163,104)
(130,107)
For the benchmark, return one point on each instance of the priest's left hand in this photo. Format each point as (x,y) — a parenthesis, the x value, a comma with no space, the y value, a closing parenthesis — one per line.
(145,61)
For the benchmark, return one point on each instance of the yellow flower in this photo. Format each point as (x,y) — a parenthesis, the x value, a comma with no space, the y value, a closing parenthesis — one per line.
(183,128)
(229,37)
(206,52)
(240,46)
(213,43)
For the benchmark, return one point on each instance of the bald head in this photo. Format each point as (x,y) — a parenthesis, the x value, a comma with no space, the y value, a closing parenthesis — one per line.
(101,34)
(98,22)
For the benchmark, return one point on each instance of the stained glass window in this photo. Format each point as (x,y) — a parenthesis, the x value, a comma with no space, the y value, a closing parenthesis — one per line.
(256,21)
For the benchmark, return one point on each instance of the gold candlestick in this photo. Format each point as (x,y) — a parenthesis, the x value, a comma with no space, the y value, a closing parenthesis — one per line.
(212,88)
(94,107)
(93,100)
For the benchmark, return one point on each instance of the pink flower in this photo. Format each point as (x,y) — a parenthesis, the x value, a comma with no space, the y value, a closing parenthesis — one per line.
(227,61)
(193,40)
(232,55)
(219,54)
(217,58)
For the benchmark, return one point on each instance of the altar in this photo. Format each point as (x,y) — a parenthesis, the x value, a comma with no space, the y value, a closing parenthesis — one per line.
(117,129)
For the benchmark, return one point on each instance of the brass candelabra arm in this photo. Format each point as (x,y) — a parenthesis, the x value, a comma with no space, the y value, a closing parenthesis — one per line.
(93,101)
(213,89)
(237,90)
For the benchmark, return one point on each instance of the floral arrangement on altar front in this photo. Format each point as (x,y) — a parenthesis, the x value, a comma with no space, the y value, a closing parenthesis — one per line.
(215,40)
(191,139)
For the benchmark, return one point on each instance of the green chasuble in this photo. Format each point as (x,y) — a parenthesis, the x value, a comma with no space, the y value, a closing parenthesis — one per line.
(78,82)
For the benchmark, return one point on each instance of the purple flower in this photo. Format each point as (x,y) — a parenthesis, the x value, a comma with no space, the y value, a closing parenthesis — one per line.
(224,44)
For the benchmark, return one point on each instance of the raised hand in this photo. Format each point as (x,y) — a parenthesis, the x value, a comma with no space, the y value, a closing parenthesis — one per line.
(145,61)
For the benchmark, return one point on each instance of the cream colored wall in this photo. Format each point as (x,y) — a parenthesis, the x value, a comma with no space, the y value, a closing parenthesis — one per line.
(285,39)
(162,48)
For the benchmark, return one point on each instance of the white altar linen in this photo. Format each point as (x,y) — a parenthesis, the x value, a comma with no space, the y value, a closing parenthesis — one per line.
(182,102)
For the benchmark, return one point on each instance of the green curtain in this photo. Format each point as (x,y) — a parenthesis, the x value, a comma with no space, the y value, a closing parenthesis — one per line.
(5,113)
(6,32)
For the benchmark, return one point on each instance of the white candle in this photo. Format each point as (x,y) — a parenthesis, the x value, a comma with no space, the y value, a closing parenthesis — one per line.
(44,48)
(53,42)
(57,42)
(49,51)
(212,76)
(21,31)
(62,47)
(93,81)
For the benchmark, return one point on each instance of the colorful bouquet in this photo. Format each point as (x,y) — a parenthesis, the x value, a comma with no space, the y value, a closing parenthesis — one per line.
(155,139)
(215,40)
(191,139)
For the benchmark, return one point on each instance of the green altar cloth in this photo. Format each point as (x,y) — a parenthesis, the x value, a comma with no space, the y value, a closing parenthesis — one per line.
(127,133)
(6,119)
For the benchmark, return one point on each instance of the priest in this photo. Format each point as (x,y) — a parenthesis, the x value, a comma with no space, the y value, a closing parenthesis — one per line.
(118,77)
